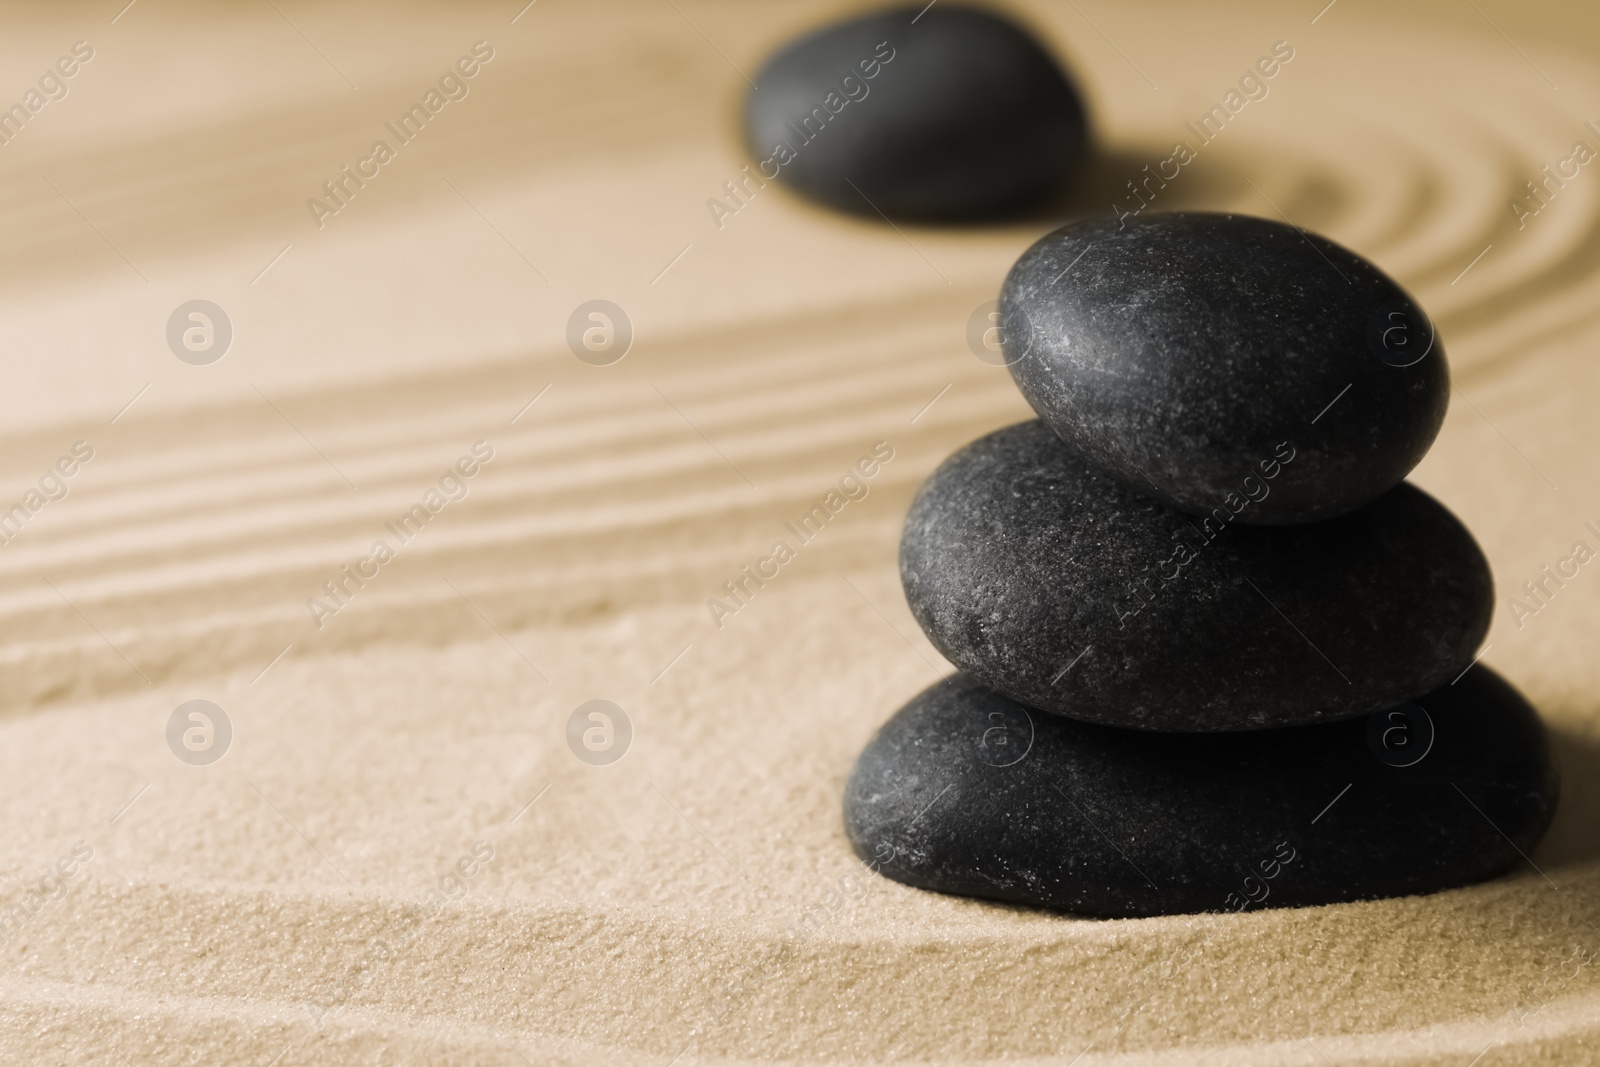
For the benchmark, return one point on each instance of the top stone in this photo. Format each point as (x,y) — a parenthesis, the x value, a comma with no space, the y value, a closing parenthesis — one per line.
(1173,351)
(936,113)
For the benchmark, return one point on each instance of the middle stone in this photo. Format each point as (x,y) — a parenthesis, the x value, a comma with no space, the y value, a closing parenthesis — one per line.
(1068,592)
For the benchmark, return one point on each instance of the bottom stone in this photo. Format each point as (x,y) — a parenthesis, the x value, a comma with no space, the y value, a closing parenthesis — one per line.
(965,791)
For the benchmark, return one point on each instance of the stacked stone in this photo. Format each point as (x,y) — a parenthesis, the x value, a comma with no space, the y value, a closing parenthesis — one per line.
(1213,651)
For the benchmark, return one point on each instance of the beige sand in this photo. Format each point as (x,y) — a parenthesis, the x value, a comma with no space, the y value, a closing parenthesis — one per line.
(275,903)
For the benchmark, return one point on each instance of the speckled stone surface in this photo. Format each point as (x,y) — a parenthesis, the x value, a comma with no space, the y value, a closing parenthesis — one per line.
(1070,593)
(1176,351)
(965,791)
(937,113)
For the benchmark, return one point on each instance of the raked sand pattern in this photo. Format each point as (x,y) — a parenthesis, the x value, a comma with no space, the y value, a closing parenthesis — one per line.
(398,859)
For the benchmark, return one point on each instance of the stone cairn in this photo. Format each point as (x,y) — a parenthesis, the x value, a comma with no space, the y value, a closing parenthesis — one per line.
(1214,652)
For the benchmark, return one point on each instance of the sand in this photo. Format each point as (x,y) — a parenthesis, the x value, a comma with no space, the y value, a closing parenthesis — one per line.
(308,897)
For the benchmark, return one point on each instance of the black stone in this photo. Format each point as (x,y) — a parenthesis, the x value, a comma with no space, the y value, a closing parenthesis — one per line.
(967,792)
(961,115)
(1068,592)
(1175,352)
